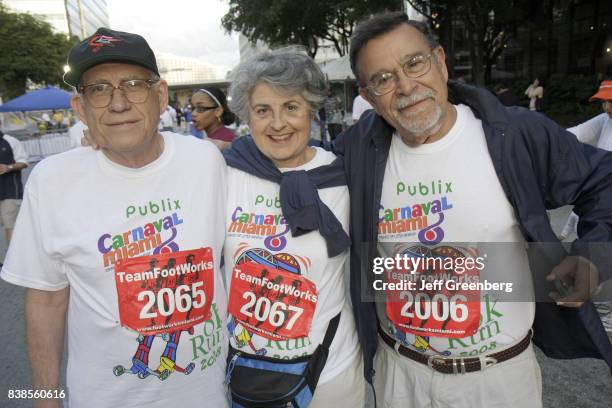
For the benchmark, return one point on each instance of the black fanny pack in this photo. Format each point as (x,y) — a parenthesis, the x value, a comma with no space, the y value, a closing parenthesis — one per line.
(257,381)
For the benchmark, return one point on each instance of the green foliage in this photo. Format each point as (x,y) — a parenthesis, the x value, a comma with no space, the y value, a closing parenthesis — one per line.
(288,22)
(29,49)
(566,97)
(489,24)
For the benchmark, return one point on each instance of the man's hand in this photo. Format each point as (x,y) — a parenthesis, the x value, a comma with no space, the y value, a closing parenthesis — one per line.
(47,404)
(4,169)
(45,322)
(576,279)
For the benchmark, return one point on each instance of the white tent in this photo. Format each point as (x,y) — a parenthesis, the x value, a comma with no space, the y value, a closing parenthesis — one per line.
(338,69)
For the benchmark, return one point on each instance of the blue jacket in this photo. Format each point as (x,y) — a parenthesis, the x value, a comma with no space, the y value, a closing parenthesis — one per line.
(540,166)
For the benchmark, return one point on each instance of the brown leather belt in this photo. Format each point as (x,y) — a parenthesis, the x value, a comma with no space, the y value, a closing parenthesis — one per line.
(456,365)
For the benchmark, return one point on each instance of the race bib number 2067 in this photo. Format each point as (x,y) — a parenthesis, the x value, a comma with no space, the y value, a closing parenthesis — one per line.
(273,303)
(166,292)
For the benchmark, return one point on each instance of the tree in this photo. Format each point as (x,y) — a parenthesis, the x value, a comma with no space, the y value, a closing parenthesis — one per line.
(488,26)
(29,49)
(286,22)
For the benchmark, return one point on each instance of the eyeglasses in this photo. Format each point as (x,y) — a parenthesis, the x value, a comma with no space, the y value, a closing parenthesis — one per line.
(415,67)
(202,109)
(100,95)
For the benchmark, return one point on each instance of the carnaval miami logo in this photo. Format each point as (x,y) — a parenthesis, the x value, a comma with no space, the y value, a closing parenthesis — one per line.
(403,221)
(140,240)
(271,227)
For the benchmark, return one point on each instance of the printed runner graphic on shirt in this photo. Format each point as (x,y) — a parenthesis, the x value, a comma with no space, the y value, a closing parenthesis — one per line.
(433,310)
(269,297)
(163,293)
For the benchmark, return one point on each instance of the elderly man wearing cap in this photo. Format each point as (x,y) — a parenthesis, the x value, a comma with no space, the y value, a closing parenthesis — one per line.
(596,132)
(128,242)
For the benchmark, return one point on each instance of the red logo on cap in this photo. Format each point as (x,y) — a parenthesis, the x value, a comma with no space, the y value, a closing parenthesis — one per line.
(99,41)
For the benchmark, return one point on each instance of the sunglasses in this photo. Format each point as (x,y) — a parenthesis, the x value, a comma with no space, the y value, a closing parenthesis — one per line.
(202,109)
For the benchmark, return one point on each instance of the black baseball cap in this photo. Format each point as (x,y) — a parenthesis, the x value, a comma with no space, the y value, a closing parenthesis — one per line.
(108,45)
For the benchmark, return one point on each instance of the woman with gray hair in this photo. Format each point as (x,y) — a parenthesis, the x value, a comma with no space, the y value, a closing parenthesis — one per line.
(291,330)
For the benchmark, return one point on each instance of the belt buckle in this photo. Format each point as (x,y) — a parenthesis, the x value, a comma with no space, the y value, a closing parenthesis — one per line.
(435,358)
(458,363)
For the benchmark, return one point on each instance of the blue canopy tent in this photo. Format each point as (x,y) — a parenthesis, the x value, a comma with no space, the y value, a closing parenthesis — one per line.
(46,98)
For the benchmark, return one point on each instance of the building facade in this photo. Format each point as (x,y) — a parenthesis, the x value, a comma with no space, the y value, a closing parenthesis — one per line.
(547,38)
(86,16)
(80,18)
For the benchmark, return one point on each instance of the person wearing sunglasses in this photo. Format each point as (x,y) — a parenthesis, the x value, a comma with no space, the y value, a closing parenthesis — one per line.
(211,114)
(122,246)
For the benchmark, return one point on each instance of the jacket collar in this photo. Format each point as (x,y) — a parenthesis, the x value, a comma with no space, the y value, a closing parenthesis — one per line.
(483,103)
(375,128)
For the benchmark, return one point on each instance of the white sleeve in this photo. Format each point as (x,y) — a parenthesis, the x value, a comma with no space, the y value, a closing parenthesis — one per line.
(360,105)
(75,134)
(589,131)
(356,114)
(570,225)
(19,153)
(27,263)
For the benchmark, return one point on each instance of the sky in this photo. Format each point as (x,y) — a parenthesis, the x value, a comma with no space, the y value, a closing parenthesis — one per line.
(186,28)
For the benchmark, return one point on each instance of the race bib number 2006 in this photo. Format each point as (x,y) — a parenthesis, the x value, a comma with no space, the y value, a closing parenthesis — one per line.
(436,310)
(166,292)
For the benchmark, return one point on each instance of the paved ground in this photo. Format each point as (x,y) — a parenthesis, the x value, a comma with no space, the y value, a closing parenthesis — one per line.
(584,383)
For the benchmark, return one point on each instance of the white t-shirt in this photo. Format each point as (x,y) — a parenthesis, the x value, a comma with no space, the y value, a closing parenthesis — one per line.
(172,112)
(76,134)
(257,231)
(447,194)
(533,93)
(596,131)
(360,105)
(165,119)
(19,153)
(82,213)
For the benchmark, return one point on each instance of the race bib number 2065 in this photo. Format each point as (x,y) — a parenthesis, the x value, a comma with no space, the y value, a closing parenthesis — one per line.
(166,292)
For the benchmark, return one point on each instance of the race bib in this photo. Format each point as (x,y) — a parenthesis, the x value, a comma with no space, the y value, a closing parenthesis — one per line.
(166,292)
(272,303)
(435,307)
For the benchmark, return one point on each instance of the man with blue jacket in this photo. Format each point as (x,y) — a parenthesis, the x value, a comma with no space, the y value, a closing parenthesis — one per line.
(438,164)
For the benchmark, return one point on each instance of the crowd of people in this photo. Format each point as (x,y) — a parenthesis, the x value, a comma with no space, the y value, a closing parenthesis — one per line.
(240,273)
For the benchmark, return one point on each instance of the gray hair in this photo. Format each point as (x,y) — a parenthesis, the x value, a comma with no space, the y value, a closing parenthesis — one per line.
(379,25)
(289,70)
